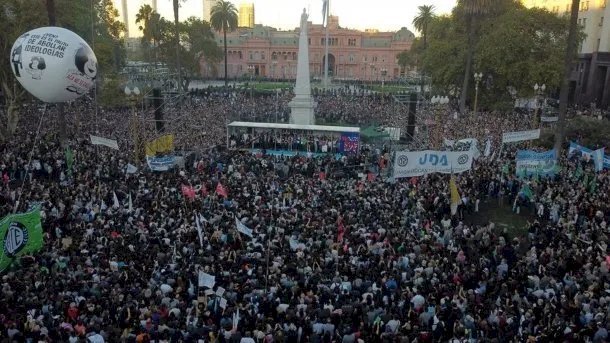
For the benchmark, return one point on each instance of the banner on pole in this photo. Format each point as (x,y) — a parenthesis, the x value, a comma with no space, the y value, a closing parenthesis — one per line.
(111,143)
(549,119)
(531,163)
(418,163)
(164,163)
(518,136)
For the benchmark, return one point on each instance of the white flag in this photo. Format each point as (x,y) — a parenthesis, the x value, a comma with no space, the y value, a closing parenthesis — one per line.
(488,147)
(111,143)
(206,280)
(243,228)
(131,169)
(130,204)
(199,231)
(115,200)
(202,219)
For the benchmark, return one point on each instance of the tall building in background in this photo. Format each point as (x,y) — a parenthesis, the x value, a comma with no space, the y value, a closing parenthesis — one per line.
(125,16)
(246,15)
(590,77)
(207,9)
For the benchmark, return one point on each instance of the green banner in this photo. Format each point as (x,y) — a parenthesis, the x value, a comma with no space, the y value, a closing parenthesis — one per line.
(20,234)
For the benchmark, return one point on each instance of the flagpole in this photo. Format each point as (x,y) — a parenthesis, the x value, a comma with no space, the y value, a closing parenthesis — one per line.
(326,11)
(267,267)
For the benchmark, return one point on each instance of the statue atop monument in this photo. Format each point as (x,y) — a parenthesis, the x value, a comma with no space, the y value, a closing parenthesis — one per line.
(302,105)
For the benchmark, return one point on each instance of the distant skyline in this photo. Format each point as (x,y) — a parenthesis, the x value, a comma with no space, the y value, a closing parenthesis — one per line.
(384,15)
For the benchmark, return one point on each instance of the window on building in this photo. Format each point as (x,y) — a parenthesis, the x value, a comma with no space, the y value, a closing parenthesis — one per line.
(601,21)
(251,56)
(274,56)
(352,58)
(365,58)
(262,55)
(321,41)
(584,23)
(374,58)
(351,41)
(598,44)
(309,41)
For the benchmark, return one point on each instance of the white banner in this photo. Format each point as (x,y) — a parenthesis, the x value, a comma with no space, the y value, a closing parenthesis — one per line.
(394,133)
(417,163)
(549,119)
(518,136)
(206,280)
(111,143)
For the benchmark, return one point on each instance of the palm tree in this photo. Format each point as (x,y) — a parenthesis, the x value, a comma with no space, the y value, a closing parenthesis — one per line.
(176,4)
(421,23)
(148,21)
(473,10)
(224,17)
(571,50)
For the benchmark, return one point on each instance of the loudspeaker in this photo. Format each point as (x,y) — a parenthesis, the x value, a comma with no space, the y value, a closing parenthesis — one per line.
(158,106)
(411,116)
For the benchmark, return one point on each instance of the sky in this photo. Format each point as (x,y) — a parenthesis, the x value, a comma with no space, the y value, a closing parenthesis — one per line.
(385,15)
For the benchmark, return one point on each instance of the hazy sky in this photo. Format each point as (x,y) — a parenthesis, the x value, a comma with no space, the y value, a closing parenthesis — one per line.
(385,15)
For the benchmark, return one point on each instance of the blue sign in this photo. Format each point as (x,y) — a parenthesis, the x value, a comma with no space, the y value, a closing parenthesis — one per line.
(530,163)
(163,163)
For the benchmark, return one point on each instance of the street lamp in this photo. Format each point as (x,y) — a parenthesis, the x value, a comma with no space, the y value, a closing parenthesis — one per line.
(539,92)
(477,79)
(384,71)
(133,95)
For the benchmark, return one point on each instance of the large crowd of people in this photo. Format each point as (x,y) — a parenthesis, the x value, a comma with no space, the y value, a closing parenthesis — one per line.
(339,252)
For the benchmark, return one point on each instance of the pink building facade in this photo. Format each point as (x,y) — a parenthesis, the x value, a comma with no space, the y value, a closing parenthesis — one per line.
(353,55)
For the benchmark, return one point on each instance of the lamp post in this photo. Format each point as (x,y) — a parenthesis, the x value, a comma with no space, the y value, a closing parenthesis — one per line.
(251,72)
(383,71)
(477,79)
(539,92)
(132,95)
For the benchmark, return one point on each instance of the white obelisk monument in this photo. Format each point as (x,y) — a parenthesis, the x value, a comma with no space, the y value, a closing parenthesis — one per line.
(302,105)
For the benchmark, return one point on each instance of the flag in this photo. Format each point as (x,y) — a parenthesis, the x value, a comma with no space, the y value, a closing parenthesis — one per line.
(322,176)
(340,229)
(130,208)
(413,181)
(598,159)
(111,143)
(455,196)
(131,169)
(162,144)
(578,172)
(593,185)
(188,191)
(20,234)
(220,190)
(69,159)
(243,228)
(370,177)
(526,191)
(115,200)
(204,189)
(487,148)
(324,11)
(199,231)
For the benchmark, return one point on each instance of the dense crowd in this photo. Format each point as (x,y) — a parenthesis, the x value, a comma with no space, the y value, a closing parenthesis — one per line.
(338,253)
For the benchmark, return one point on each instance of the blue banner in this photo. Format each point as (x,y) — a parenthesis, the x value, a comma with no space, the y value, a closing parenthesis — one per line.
(584,151)
(349,143)
(163,163)
(532,163)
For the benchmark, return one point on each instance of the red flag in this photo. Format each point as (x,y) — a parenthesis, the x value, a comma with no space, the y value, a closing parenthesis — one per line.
(370,177)
(5,178)
(188,191)
(204,189)
(413,181)
(360,186)
(322,176)
(221,190)
(340,229)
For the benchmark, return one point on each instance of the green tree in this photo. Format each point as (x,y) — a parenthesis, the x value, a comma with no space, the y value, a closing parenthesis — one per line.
(199,40)
(421,22)
(473,11)
(224,18)
(570,53)
(148,23)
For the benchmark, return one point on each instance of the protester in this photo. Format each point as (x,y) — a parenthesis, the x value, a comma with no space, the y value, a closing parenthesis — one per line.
(338,251)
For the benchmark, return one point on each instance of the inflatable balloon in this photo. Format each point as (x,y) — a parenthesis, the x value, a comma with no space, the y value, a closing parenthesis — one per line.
(53,64)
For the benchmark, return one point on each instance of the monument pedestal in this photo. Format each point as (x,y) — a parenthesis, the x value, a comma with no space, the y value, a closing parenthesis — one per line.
(302,111)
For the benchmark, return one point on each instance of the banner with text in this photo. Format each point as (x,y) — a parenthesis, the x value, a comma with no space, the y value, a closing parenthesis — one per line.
(584,151)
(349,143)
(417,163)
(518,136)
(111,143)
(536,163)
(164,163)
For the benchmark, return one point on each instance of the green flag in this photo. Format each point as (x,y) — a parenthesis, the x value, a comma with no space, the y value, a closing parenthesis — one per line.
(578,172)
(20,234)
(527,191)
(593,185)
(69,159)
(505,168)
(585,180)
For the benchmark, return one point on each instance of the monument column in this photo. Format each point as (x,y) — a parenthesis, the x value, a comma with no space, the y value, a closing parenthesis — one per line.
(302,105)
